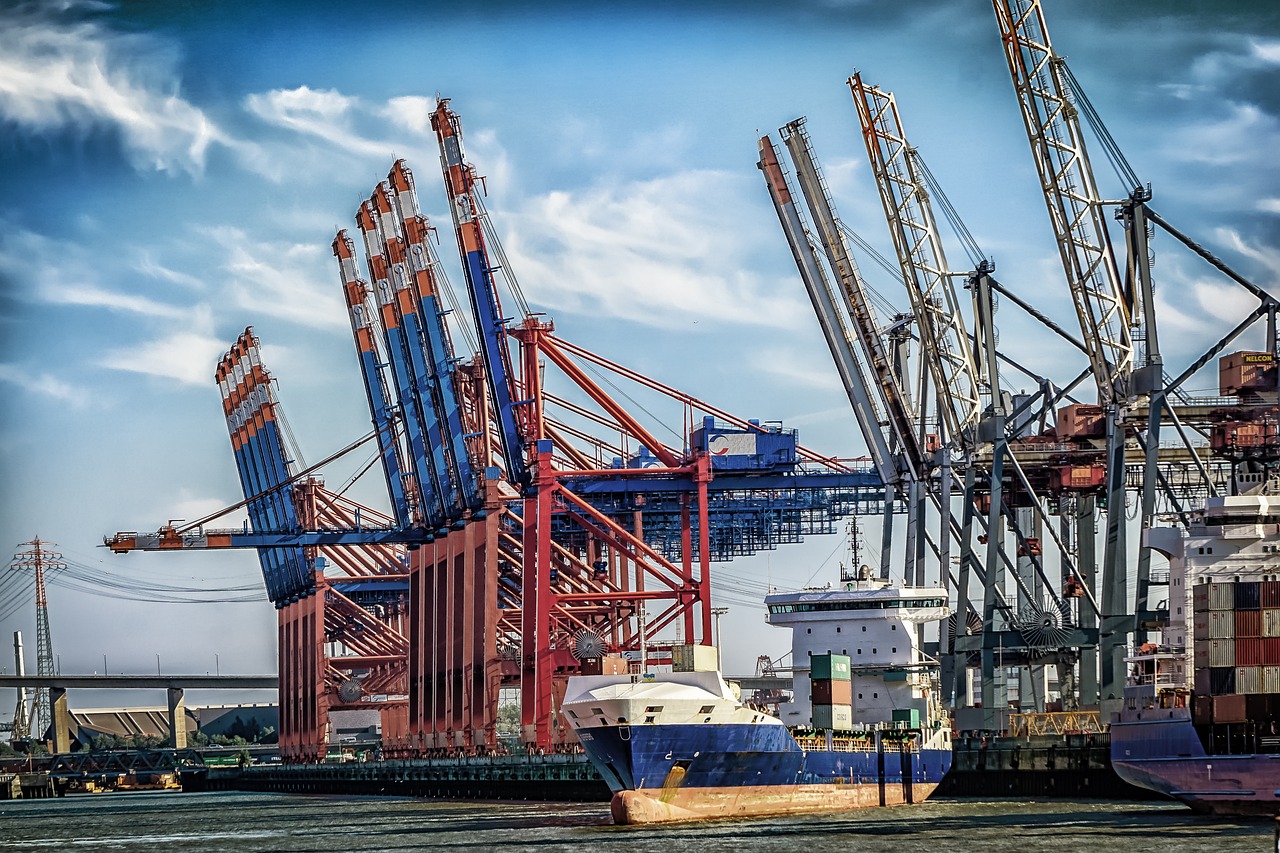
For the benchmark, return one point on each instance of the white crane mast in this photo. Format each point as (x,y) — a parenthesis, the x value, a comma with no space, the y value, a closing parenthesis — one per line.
(1075,207)
(943,336)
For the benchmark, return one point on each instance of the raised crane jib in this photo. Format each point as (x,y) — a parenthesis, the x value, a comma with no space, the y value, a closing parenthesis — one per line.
(491,326)
(1071,195)
(858,381)
(901,418)
(944,340)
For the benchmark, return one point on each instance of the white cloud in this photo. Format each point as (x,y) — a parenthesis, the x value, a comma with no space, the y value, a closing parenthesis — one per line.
(1218,141)
(658,252)
(187,355)
(56,74)
(412,112)
(149,267)
(43,384)
(64,272)
(1268,258)
(296,281)
(321,113)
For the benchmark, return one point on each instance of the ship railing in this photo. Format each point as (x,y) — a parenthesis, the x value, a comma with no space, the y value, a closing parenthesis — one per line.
(860,743)
(1055,723)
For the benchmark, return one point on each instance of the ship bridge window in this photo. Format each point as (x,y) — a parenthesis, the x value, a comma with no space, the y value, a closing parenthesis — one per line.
(597,712)
(878,604)
(706,709)
(653,709)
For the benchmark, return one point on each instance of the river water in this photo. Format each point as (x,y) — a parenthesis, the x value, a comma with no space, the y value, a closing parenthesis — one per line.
(231,821)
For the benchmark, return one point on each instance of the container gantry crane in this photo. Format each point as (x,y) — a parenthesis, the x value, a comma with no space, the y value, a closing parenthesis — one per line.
(617,546)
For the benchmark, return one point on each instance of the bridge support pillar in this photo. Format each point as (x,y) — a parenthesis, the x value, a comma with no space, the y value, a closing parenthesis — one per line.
(61,720)
(177,718)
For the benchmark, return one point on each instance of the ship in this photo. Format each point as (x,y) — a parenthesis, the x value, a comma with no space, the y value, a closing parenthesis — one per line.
(863,729)
(1201,716)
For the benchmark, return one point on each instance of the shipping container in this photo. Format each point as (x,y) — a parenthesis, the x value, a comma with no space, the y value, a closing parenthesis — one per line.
(1200,682)
(1200,598)
(1248,595)
(687,658)
(1081,420)
(1249,679)
(1222,680)
(1230,709)
(1222,653)
(831,692)
(1249,652)
(1271,679)
(837,718)
(1200,654)
(1271,622)
(1222,596)
(1271,651)
(1200,624)
(1246,371)
(1248,623)
(1222,625)
(910,716)
(1269,594)
(834,667)
(1259,707)
(1201,709)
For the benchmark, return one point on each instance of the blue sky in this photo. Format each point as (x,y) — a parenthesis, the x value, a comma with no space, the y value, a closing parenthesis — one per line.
(171,173)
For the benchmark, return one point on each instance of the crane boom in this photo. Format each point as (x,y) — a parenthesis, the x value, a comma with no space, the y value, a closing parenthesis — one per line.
(265,476)
(423,265)
(943,337)
(900,416)
(467,209)
(841,342)
(1071,195)
(381,402)
(426,480)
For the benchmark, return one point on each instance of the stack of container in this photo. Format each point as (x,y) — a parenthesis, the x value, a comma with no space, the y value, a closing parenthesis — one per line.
(1236,650)
(831,692)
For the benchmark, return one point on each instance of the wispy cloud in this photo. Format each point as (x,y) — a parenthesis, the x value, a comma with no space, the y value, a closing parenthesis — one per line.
(296,281)
(60,71)
(324,114)
(653,252)
(187,354)
(64,272)
(44,385)
(148,266)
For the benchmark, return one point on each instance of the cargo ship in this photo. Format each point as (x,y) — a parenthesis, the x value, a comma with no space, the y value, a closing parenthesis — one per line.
(863,729)
(1201,715)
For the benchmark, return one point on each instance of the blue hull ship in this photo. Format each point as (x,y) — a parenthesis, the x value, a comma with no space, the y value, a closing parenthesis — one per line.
(683,745)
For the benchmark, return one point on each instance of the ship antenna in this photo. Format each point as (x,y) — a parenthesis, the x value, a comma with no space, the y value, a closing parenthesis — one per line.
(849,572)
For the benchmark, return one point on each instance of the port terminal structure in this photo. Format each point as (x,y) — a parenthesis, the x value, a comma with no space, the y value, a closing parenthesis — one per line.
(1036,479)
(534,528)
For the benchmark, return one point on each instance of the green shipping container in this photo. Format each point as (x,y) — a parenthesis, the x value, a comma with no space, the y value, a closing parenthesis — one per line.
(910,716)
(829,667)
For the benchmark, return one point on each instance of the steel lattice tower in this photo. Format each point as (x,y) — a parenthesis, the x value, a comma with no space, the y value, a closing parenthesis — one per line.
(40,558)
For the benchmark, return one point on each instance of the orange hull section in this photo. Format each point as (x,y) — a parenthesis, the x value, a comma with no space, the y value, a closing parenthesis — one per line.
(659,805)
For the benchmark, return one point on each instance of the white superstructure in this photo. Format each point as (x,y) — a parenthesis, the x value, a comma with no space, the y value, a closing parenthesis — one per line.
(875,625)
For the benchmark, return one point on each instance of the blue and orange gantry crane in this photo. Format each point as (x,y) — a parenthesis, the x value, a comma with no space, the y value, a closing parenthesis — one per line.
(521,522)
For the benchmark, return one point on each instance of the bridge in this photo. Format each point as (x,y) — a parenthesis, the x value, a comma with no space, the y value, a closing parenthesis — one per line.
(176,685)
